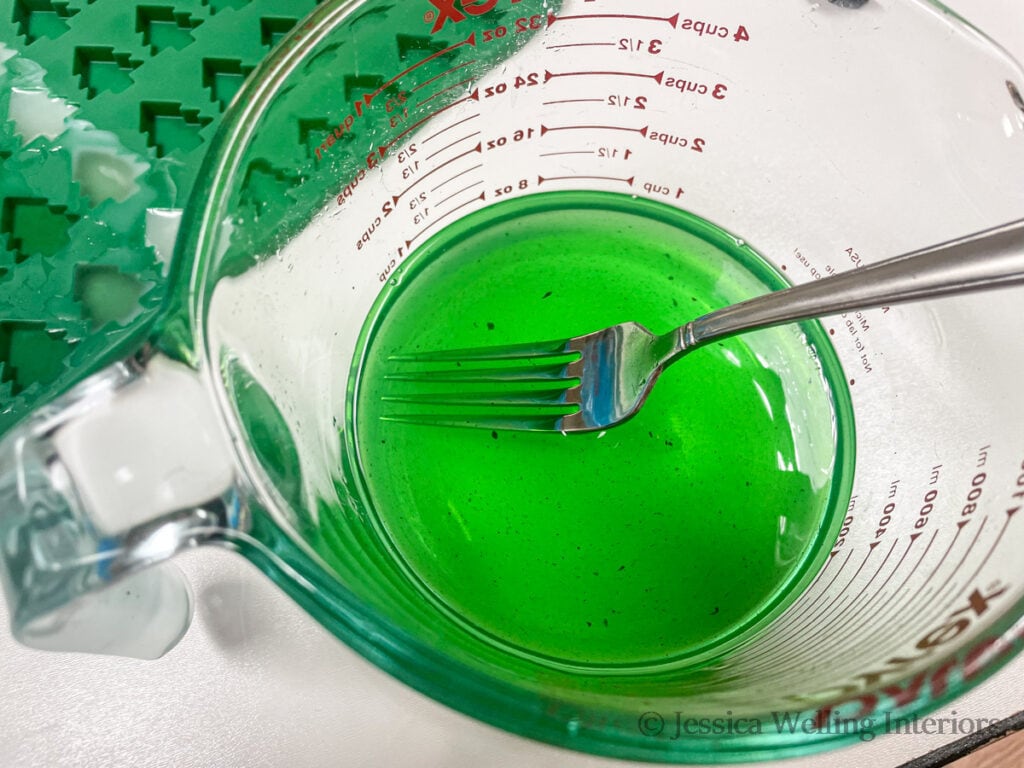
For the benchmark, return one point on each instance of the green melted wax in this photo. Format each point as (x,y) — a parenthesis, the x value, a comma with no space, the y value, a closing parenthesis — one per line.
(671,536)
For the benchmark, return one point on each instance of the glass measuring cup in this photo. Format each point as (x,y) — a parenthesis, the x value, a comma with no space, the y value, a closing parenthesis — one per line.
(949,579)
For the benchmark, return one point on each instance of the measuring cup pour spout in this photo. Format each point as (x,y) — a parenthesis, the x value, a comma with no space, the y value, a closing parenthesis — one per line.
(128,468)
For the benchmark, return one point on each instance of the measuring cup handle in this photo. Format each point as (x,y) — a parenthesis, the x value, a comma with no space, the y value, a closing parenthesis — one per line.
(97,490)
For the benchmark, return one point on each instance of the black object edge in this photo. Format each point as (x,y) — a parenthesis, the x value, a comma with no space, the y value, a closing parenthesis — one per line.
(955,750)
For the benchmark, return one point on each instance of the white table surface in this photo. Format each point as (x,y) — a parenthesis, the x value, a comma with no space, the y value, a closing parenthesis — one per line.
(258,683)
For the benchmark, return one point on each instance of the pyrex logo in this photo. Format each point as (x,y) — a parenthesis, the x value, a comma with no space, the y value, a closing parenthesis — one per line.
(457,10)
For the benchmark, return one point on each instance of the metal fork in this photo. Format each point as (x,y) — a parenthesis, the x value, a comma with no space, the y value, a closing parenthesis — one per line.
(598,380)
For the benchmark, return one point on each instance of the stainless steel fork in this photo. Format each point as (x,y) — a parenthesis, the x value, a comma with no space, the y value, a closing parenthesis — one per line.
(598,380)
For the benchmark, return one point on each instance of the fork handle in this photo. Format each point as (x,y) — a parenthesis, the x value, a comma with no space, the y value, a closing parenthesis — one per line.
(992,258)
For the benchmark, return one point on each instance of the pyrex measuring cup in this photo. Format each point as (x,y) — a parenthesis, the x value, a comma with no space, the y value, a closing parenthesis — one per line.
(825,136)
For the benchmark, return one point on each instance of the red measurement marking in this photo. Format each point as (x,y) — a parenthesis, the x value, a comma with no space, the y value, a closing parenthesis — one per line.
(655,77)
(445,90)
(804,642)
(456,68)
(358,104)
(671,20)
(478,148)
(959,528)
(1009,516)
(368,98)
(818,630)
(460,174)
(899,589)
(794,622)
(545,129)
(937,598)
(572,101)
(542,179)
(415,237)
(873,616)
(935,568)
(464,189)
(570,152)
(432,155)
(577,45)
(453,125)
(913,538)
(967,551)
(474,96)
(880,567)
(843,615)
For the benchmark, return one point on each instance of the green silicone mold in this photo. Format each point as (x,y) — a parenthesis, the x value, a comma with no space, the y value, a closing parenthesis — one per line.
(118,101)
(107,108)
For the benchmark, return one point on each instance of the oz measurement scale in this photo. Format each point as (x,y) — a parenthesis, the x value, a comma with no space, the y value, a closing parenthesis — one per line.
(822,136)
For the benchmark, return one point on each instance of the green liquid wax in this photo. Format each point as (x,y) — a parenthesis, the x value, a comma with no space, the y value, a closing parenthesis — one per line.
(669,537)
